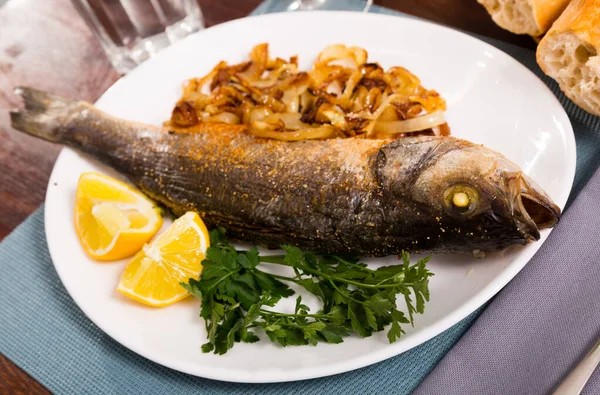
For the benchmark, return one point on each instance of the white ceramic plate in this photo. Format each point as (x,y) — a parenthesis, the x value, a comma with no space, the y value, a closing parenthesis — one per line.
(492,99)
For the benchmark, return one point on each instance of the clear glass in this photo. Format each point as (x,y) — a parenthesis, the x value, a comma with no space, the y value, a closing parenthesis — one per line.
(307,5)
(131,31)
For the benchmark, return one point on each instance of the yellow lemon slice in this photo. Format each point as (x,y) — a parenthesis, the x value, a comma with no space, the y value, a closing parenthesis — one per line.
(153,275)
(112,219)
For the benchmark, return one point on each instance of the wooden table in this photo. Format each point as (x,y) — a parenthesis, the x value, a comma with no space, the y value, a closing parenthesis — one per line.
(46,45)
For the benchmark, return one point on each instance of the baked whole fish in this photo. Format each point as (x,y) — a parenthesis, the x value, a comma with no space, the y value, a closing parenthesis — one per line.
(358,196)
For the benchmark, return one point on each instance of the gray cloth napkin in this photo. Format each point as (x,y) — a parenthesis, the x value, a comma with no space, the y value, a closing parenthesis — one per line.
(542,323)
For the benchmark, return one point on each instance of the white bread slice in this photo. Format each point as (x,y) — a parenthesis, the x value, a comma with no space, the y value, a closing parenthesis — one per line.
(533,17)
(569,53)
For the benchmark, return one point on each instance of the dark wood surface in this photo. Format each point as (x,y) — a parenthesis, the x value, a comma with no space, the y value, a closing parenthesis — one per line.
(46,45)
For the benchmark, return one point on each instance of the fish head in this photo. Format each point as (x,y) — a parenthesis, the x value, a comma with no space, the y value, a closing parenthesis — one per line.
(472,192)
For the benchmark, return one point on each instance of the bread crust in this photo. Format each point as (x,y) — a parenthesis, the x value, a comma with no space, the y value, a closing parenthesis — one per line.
(532,17)
(546,12)
(576,33)
(582,17)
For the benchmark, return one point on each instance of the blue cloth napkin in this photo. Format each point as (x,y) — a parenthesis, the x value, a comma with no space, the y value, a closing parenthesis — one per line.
(45,333)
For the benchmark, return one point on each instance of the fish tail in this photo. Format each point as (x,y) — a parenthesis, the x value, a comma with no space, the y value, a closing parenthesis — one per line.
(43,114)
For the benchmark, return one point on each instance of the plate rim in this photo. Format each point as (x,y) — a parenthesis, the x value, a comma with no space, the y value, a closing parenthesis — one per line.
(477,300)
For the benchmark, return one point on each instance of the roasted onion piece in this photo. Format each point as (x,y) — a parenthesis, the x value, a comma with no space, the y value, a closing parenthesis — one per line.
(343,95)
(259,129)
(422,122)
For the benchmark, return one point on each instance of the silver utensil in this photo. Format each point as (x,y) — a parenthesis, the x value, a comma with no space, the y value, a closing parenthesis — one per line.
(574,382)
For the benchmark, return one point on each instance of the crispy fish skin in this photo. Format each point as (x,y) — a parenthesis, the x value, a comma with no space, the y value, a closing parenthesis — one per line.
(357,196)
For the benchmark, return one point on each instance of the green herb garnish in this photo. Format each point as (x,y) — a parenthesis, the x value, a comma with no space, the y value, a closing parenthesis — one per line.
(237,296)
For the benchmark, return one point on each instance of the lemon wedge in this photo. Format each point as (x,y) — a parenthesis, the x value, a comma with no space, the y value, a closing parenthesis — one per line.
(153,275)
(112,219)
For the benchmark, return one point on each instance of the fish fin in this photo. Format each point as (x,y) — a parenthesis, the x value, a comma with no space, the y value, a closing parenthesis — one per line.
(42,114)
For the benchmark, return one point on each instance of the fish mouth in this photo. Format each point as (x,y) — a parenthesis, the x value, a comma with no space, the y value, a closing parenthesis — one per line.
(533,208)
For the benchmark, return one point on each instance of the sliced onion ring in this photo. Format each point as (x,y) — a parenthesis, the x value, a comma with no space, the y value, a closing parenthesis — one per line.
(223,117)
(259,113)
(321,132)
(423,122)
(291,120)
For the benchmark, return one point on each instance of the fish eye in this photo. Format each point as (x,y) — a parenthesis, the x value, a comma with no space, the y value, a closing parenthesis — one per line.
(461,200)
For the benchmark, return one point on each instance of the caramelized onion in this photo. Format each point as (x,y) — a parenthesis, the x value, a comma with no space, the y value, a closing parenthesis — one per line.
(322,132)
(338,52)
(259,114)
(402,81)
(224,117)
(184,114)
(259,57)
(423,122)
(334,88)
(290,120)
(342,96)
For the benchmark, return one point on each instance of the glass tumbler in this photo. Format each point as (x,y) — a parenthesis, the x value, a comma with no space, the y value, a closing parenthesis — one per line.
(131,31)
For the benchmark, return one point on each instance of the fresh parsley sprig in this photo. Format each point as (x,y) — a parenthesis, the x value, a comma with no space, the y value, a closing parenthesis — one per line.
(238,297)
